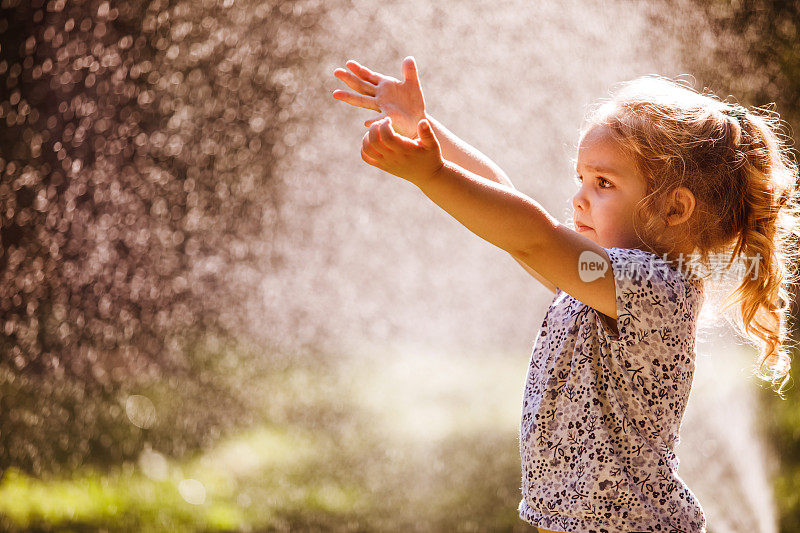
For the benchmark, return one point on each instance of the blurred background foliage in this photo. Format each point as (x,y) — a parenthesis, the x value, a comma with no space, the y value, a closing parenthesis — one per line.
(137,158)
(140,207)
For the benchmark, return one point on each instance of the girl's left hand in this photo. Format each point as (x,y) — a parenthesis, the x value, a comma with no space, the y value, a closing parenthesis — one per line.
(415,160)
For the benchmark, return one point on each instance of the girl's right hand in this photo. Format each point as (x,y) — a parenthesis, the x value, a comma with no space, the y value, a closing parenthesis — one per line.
(402,101)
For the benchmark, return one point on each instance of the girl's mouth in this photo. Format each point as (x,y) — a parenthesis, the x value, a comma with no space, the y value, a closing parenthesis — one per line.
(581,227)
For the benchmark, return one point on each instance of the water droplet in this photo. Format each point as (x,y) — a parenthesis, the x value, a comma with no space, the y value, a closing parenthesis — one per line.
(192,491)
(141,411)
(153,465)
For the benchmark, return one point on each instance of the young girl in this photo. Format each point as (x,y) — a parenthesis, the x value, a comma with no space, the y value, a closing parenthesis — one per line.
(669,181)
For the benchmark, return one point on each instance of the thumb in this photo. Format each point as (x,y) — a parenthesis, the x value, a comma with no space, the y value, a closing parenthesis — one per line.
(410,72)
(426,135)
(371,121)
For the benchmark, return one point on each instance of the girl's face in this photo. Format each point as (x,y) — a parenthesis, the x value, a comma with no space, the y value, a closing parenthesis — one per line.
(610,187)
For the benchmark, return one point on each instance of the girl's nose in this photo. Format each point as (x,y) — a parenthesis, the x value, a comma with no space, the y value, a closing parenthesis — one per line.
(579,202)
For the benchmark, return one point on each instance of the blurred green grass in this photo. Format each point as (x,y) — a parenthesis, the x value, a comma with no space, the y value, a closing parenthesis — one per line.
(395,440)
(387,438)
(780,423)
(247,479)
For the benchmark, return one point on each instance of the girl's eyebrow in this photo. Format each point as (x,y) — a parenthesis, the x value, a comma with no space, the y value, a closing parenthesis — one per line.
(600,170)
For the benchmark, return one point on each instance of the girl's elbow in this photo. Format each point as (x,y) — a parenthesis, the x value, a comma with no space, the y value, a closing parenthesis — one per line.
(538,242)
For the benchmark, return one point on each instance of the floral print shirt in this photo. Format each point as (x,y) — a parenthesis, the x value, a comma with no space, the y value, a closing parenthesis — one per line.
(602,409)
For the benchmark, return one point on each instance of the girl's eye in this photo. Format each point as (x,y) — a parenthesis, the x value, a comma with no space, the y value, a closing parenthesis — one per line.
(602,181)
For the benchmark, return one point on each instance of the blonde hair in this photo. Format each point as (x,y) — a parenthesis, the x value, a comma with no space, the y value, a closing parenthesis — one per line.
(742,173)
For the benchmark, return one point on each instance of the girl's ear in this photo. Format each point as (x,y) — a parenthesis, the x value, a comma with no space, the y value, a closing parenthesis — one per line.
(681,206)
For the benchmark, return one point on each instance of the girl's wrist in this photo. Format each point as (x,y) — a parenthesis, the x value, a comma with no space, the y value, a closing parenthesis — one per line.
(430,177)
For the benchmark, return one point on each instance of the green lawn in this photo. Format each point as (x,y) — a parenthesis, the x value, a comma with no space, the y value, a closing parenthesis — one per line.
(388,439)
(404,441)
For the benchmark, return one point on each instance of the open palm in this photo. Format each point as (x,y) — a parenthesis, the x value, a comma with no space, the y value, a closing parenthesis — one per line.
(402,101)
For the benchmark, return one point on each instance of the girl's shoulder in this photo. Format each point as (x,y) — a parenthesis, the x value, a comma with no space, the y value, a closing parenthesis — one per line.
(638,264)
(652,295)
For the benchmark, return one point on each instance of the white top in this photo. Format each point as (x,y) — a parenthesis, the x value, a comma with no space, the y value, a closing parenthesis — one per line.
(601,411)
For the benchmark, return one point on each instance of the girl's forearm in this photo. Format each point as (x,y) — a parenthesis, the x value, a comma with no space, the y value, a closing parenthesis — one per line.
(458,151)
(502,216)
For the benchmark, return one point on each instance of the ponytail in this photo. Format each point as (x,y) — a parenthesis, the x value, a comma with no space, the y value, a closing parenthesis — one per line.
(767,242)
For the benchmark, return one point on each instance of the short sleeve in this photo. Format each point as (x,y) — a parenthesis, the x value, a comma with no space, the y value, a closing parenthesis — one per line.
(650,295)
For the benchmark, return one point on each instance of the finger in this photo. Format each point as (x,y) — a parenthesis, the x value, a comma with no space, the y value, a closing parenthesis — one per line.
(386,134)
(376,138)
(371,150)
(426,136)
(410,72)
(372,121)
(358,100)
(395,141)
(355,83)
(372,161)
(364,73)
(391,139)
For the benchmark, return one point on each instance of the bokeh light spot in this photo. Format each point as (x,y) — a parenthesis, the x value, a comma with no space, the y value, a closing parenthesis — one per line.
(192,491)
(141,411)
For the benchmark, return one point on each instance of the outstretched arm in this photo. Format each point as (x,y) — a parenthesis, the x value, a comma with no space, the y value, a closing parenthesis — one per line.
(458,151)
(504,217)
(404,103)
(469,158)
